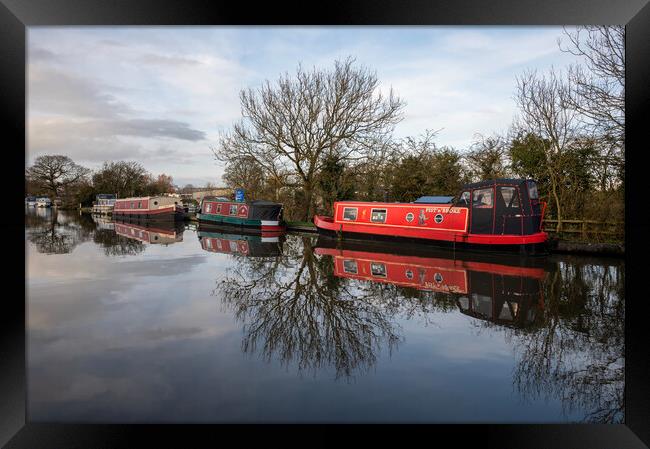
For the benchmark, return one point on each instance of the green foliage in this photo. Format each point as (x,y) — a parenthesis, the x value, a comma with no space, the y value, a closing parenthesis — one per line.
(334,181)
(430,172)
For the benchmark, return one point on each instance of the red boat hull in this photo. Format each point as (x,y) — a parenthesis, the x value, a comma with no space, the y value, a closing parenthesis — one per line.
(530,244)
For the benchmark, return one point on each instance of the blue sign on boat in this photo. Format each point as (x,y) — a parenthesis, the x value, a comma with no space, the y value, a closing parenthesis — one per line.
(239,195)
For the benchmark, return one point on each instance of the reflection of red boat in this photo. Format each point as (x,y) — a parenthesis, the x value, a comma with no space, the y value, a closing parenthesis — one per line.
(264,244)
(149,234)
(502,214)
(504,293)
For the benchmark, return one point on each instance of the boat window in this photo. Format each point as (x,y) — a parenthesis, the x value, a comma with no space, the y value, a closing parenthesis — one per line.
(378,269)
(139,204)
(350,266)
(410,217)
(464,198)
(132,205)
(218,207)
(350,213)
(208,208)
(378,215)
(155,203)
(532,190)
(510,196)
(482,198)
(233,209)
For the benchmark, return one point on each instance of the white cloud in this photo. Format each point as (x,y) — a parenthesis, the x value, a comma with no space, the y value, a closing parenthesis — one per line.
(160,94)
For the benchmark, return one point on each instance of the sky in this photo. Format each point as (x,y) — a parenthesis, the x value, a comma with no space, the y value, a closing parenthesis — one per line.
(161,95)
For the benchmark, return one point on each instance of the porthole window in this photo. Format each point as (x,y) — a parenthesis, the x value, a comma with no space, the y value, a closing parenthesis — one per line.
(438,218)
(409,274)
(155,203)
(410,217)
(350,213)
(437,277)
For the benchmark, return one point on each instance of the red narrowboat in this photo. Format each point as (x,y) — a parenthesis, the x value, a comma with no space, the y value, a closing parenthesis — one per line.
(158,208)
(500,214)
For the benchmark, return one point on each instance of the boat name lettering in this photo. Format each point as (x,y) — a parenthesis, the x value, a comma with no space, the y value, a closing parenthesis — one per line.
(444,210)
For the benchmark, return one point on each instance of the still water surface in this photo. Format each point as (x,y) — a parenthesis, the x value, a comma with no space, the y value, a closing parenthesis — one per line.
(132,324)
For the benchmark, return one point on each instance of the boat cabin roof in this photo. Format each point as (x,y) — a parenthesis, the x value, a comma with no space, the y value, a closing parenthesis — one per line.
(216,198)
(492,182)
(106,196)
(434,199)
(140,198)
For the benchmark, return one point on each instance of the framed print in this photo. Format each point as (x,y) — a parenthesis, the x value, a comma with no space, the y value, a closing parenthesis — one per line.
(395,213)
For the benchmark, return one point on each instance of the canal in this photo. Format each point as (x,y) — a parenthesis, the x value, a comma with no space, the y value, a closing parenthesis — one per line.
(131,323)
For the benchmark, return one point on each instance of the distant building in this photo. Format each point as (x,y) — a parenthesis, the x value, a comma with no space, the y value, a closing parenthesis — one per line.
(198,193)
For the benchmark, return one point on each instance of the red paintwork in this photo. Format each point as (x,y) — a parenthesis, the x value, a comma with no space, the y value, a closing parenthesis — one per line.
(140,232)
(270,229)
(218,245)
(212,208)
(165,210)
(141,206)
(453,227)
(452,273)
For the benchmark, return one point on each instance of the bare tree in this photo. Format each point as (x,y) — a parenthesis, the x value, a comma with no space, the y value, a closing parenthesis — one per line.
(598,90)
(598,86)
(290,126)
(247,174)
(125,178)
(55,173)
(545,113)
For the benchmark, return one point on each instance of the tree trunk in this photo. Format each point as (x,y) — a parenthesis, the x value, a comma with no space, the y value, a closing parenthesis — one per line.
(308,206)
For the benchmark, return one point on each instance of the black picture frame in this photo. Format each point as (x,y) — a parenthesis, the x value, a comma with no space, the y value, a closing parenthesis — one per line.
(16,15)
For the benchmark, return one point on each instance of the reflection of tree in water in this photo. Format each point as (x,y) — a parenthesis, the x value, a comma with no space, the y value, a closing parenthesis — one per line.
(57,233)
(294,307)
(575,352)
(117,245)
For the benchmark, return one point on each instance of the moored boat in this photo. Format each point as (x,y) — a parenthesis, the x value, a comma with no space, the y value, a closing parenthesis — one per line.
(104,203)
(259,214)
(159,208)
(500,214)
(30,201)
(43,201)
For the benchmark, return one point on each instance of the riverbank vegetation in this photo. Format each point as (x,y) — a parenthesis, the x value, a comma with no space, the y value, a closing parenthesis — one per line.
(319,136)
(58,176)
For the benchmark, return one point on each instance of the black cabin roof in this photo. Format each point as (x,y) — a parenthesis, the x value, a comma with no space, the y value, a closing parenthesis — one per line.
(491,182)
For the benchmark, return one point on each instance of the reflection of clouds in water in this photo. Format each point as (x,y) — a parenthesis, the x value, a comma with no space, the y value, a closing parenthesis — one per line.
(141,338)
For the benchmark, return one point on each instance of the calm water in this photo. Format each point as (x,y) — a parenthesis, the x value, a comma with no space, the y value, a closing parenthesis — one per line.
(129,324)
